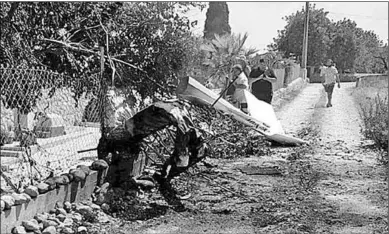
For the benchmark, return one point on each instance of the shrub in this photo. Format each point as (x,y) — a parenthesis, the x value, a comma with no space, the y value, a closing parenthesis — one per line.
(374,113)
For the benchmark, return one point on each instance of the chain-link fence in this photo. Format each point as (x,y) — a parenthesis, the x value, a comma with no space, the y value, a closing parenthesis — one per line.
(45,123)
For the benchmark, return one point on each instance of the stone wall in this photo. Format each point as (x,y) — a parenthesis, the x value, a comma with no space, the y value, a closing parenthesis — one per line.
(285,76)
(62,104)
(282,96)
(367,80)
(280,74)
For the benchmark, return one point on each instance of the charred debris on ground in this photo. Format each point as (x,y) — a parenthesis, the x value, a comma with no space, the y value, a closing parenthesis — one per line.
(173,136)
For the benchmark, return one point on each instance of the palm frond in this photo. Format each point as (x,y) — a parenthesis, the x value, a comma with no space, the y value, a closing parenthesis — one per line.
(208,48)
(217,42)
(225,50)
(250,51)
(242,40)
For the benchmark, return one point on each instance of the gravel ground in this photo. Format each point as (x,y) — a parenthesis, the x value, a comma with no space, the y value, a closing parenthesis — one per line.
(335,185)
(354,183)
(332,186)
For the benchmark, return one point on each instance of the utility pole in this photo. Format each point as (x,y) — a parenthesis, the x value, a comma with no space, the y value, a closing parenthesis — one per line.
(305,41)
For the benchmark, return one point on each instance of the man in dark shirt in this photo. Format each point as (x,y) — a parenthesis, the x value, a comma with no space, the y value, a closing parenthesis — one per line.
(261,79)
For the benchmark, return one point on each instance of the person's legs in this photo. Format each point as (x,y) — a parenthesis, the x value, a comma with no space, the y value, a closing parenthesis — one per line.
(329,89)
(240,99)
(329,98)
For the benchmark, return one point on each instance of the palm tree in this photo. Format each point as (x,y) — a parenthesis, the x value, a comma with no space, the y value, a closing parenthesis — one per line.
(222,53)
(272,59)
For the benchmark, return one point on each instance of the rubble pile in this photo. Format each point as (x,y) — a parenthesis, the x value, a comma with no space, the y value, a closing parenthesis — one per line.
(228,138)
(65,218)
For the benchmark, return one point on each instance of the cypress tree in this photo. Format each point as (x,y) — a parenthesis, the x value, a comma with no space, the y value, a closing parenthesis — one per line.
(217,20)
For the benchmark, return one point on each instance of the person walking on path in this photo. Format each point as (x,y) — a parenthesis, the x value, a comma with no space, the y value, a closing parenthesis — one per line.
(329,76)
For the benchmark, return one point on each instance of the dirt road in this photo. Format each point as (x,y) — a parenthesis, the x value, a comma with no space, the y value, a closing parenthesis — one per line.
(333,186)
(353,184)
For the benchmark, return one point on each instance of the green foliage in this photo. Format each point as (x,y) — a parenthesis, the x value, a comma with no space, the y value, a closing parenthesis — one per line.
(21,88)
(194,59)
(222,53)
(216,22)
(290,39)
(151,39)
(273,60)
(374,113)
(382,58)
(369,46)
(343,46)
(350,47)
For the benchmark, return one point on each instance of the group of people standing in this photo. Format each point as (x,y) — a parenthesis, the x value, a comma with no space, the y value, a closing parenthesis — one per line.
(257,80)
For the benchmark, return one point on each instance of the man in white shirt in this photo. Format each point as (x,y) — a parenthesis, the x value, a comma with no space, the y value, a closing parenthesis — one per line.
(329,75)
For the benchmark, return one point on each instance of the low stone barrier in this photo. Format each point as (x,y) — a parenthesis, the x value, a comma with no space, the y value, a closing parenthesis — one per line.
(280,95)
(74,192)
(365,80)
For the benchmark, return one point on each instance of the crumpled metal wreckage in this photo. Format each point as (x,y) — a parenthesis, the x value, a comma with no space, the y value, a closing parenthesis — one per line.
(124,141)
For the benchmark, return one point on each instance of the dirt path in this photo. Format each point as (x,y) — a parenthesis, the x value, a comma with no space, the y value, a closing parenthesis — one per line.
(297,113)
(354,184)
(333,186)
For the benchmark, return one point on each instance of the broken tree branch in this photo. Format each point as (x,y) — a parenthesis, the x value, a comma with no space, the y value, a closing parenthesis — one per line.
(67,45)
(147,155)
(227,142)
(9,182)
(109,57)
(160,141)
(156,152)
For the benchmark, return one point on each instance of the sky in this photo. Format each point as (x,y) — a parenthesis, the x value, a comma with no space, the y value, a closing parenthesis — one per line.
(262,20)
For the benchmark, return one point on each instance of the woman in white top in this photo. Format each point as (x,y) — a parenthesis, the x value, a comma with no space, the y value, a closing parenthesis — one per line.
(241,84)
